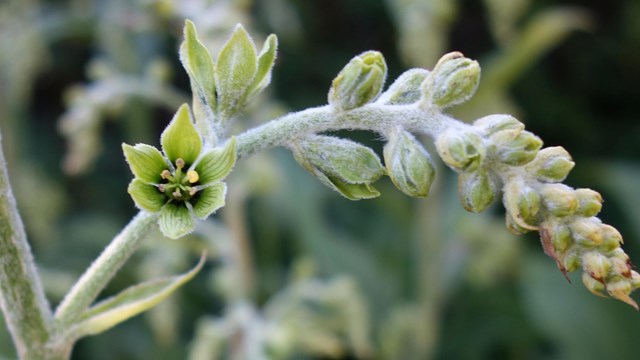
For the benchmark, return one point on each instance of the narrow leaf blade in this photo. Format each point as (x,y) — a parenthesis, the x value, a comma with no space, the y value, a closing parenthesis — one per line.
(130,302)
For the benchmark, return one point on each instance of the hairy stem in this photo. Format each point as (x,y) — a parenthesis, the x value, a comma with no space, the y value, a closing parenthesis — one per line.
(22,298)
(372,117)
(98,275)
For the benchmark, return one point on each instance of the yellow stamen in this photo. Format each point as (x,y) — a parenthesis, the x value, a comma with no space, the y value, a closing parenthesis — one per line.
(165,174)
(179,163)
(193,176)
(177,194)
(192,191)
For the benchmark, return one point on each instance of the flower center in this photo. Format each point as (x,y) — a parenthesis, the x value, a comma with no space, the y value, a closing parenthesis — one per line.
(179,185)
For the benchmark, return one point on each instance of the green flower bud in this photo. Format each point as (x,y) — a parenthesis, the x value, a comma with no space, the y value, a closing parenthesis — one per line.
(621,266)
(515,147)
(343,165)
(408,164)
(552,164)
(359,82)
(589,202)
(514,227)
(596,265)
(477,190)
(453,81)
(492,124)
(611,238)
(572,261)
(559,199)
(620,290)
(461,149)
(593,285)
(523,204)
(406,89)
(560,235)
(587,232)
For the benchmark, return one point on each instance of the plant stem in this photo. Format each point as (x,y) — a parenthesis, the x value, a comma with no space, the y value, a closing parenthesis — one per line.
(22,298)
(98,275)
(373,117)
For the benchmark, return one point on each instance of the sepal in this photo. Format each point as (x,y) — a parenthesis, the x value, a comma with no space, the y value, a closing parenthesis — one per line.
(146,162)
(181,140)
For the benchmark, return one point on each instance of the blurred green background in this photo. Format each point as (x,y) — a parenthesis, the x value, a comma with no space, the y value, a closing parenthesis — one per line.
(322,277)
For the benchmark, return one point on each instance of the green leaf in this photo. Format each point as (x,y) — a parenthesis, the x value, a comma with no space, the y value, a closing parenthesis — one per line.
(266,60)
(146,196)
(209,200)
(175,220)
(217,163)
(351,191)
(145,161)
(130,302)
(181,139)
(198,63)
(235,70)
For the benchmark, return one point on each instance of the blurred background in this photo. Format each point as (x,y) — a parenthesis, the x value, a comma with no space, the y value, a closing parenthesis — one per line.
(295,270)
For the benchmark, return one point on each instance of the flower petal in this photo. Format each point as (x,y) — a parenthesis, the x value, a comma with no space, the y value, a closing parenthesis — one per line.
(175,220)
(146,196)
(209,200)
(217,163)
(181,139)
(145,161)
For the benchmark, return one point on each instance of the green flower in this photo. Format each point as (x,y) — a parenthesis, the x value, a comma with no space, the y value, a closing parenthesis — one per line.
(184,181)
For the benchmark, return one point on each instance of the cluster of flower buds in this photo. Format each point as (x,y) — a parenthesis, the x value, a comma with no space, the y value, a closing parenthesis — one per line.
(494,153)
(497,146)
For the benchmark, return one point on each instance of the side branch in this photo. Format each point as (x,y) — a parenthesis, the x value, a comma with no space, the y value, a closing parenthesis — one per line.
(373,117)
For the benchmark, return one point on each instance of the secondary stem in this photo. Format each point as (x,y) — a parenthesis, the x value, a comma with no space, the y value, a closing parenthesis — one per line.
(98,275)
(372,117)
(22,298)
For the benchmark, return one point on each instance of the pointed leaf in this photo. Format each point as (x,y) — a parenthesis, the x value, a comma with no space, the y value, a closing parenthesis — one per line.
(145,161)
(146,196)
(353,191)
(197,60)
(209,200)
(265,63)
(181,139)
(217,163)
(130,302)
(175,220)
(235,70)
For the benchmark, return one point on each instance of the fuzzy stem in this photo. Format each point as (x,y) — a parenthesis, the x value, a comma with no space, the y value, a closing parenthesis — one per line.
(22,298)
(373,117)
(98,275)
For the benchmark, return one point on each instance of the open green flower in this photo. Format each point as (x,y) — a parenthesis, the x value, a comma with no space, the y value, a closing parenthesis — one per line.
(183,182)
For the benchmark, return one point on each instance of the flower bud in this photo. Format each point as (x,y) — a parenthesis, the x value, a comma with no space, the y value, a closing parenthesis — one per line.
(587,232)
(611,238)
(621,266)
(406,89)
(514,227)
(408,164)
(572,261)
(359,82)
(477,190)
(515,147)
(589,202)
(343,165)
(461,149)
(492,124)
(559,199)
(523,203)
(453,80)
(552,164)
(620,290)
(596,264)
(593,285)
(560,237)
